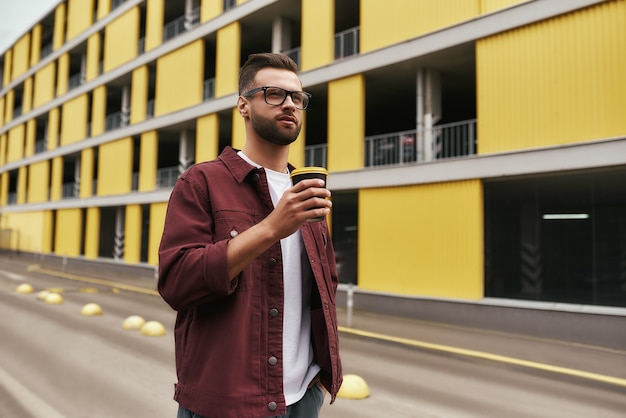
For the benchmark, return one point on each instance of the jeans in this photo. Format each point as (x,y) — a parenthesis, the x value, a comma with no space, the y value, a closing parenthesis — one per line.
(307,407)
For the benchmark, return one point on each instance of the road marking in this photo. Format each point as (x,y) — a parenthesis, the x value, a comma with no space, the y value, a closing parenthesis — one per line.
(12,276)
(115,285)
(36,406)
(488,356)
(405,341)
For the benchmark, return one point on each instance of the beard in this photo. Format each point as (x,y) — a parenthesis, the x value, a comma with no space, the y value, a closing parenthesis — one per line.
(267,129)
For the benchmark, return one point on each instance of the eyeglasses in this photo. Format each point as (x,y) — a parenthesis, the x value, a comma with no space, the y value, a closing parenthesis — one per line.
(276,96)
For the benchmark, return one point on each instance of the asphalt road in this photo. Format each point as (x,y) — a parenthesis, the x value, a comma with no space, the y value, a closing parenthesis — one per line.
(55,362)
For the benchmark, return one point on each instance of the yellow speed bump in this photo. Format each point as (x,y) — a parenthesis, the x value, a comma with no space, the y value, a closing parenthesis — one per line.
(91,309)
(41,295)
(153,329)
(24,289)
(53,298)
(133,323)
(353,387)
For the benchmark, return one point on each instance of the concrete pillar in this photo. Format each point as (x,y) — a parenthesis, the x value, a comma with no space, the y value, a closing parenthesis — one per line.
(281,34)
(118,241)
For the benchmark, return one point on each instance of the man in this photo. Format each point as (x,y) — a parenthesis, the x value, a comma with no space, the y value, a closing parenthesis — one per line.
(253,282)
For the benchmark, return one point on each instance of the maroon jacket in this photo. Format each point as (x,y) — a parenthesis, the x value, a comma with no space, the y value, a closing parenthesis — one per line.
(226,331)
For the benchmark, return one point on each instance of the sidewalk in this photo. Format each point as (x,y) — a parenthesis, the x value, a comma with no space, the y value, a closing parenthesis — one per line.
(540,354)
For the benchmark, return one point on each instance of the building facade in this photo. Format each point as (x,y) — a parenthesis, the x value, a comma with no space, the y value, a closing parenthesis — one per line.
(476,149)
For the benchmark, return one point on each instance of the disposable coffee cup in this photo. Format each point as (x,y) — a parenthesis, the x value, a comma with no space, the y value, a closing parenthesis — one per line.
(304,173)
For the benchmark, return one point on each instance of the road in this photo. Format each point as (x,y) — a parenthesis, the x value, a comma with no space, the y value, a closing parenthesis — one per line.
(55,362)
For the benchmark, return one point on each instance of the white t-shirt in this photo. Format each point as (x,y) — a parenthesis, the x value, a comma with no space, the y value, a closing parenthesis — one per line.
(298,366)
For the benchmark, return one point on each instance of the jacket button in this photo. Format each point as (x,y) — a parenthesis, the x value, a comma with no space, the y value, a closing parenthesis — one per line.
(273,312)
(272,262)
(233,233)
(255,177)
(272,361)
(272,406)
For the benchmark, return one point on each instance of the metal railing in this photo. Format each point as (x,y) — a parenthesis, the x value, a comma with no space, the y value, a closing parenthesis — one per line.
(294,54)
(166,177)
(456,139)
(41,145)
(45,51)
(12,198)
(315,155)
(116,120)
(116,3)
(150,109)
(347,43)
(229,4)
(181,24)
(70,190)
(390,149)
(76,80)
(208,89)
(451,140)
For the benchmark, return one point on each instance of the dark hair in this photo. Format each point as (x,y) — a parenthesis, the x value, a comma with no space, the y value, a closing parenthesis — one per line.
(256,62)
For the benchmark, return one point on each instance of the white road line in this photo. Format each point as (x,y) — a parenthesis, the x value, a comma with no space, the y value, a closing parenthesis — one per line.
(12,276)
(36,406)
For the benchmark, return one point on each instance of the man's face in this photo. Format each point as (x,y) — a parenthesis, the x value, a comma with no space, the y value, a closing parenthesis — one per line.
(280,124)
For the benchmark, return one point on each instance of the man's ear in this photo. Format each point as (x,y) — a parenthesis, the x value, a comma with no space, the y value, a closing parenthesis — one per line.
(242,106)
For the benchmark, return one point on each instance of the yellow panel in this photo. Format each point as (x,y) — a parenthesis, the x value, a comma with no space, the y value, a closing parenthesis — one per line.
(86,172)
(44,85)
(38,182)
(30,227)
(92,232)
(1,111)
(104,8)
(68,235)
(8,64)
(346,123)
(22,179)
(437,236)
(98,110)
(27,97)
(227,60)
(179,79)
(35,43)
(56,180)
(21,56)
(239,130)
(207,137)
(132,234)
(121,39)
(15,151)
(555,82)
(148,161)
(63,72)
(157,218)
(391,21)
(58,38)
(488,6)
(154,24)
(115,167)
(92,61)
(74,120)
(3,149)
(46,233)
(4,189)
(79,17)
(31,130)
(318,33)
(53,128)
(210,9)
(10,102)
(139,95)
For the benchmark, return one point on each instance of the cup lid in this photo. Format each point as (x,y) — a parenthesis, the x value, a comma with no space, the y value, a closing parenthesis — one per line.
(309,170)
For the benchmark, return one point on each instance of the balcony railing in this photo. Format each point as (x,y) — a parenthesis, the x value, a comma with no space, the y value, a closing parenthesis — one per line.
(315,155)
(70,190)
(181,24)
(166,177)
(347,43)
(116,3)
(76,80)
(150,109)
(45,51)
(116,120)
(209,89)
(450,140)
(41,145)
(294,54)
(12,198)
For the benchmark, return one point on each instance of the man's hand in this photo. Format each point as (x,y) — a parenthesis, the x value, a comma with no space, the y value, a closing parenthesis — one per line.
(307,199)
